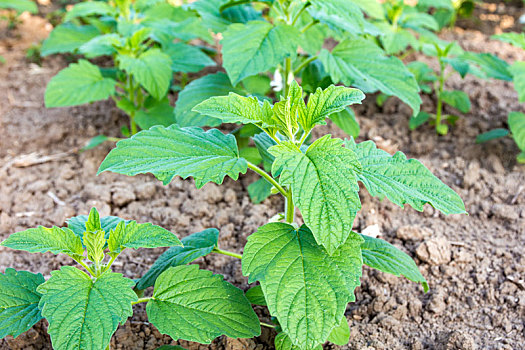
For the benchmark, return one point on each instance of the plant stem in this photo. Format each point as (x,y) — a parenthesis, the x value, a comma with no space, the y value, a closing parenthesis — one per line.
(267,177)
(107,267)
(225,252)
(439,108)
(304,64)
(84,265)
(287,79)
(266,324)
(290,208)
(309,25)
(141,300)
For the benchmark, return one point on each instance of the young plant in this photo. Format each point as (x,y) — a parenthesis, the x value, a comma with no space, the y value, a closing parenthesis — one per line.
(16,8)
(307,270)
(516,120)
(140,39)
(482,65)
(85,307)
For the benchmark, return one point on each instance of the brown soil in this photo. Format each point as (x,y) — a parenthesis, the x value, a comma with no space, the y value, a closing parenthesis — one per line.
(475,264)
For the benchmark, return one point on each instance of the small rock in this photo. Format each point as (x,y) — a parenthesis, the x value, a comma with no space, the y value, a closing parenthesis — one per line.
(146,190)
(472,174)
(239,344)
(230,196)
(495,164)
(412,232)
(372,231)
(437,303)
(435,251)
(505,211)
(122,196)
(460,341)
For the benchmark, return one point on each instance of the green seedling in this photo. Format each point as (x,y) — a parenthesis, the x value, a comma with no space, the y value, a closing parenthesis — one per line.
(84,306)
(307,270)
(16,8)
(147,42)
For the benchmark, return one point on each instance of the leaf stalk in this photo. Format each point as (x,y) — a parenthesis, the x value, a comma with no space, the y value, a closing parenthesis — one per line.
(267,177)
(225,252)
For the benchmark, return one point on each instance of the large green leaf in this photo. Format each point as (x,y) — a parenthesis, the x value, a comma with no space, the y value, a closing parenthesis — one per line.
(324,103)
(254,47)
(101,45)
(486,65)
(324,187)
(338,14)
(19,5)
(194,246)
(152,69)
(196,305)
(90,8)
(363,64)
(133,235)
(341,334)
(42,239)
(517,128)
(84,313)
(18,301)
(217,20)
(187,58)
(383,256)
(232,109)
(197,91)
(403,180)
(68,37)
(295,271)
(77,84)
(517,69)
(167,152)
(282,342)
(347,122)
(516,39)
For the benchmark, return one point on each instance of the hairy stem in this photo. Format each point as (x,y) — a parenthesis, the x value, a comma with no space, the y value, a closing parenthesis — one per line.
(266,324)
(111,261)
(141,300)
(290,208)
(84,265)
(439,108)
(225,252)
(267,177)
(304,64)
(288,76)
(309,25)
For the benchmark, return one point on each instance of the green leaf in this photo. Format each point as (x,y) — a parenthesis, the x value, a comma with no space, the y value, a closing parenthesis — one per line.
(324,187)
(19,6)
(282,342)
(18,301)
(133,235)
(103,45)
(167,152)
(77,224)
(197,91)
(95,242)
(256,47)
(68,37)
(256,296)
(491,135)
(158,113)
(517,128)
(418,120)
(152,69)
(403,180)
(94,142)
(517,69)
(338,15)
(486,65)
(77,84)
(457,99)
(361,63)
(233,109)
(324,103)
(341,334)
(91,8)
(194,246)
(42,239)
(347,122)
(291,266)
(93,222)
(196,305)
(516,39)
(383,256)
(84,313)
(217,20)
(187,58)
(259,190)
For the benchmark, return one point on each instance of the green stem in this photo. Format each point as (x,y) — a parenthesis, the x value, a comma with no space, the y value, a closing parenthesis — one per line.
(290,208)
(305,135)
(309,25)
(304,64)
(267,177)
(225,252)
(237,3)
(141,300)
(111,261)
(84,265)
(298,15)
(287,72)
(439,107)
(266,324)
(115,139)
